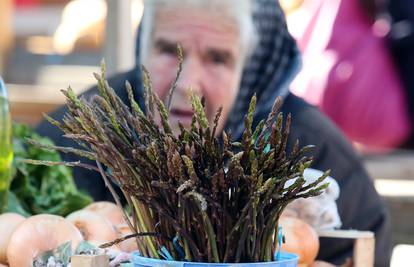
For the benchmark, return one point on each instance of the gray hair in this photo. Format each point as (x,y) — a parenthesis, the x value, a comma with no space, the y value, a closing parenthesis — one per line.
(239,10)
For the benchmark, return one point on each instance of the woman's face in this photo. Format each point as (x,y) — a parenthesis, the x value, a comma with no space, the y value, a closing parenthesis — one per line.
(212,63)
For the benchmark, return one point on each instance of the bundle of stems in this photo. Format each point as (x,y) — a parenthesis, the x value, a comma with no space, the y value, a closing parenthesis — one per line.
(199,197)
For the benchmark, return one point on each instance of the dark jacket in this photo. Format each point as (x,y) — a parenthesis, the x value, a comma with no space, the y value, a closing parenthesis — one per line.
(401,41)
(359,205)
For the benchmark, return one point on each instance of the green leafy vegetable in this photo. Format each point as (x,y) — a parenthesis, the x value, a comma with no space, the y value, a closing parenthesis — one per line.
(85,247)
(41,189)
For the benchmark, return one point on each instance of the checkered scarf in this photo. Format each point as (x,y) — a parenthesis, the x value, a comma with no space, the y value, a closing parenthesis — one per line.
(267,71)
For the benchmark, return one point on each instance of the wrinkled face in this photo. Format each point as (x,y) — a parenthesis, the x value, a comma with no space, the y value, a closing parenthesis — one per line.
(212,61)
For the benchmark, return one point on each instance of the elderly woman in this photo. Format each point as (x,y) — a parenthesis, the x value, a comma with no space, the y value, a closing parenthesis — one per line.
(233,49)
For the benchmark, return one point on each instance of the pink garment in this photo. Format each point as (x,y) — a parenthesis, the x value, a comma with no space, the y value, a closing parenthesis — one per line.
(349,74)
(20,3)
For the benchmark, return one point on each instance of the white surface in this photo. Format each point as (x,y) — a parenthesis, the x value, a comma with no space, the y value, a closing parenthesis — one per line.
(402,256)
(395,188)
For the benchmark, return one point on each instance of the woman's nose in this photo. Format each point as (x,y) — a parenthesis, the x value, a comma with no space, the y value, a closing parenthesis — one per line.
(190,77)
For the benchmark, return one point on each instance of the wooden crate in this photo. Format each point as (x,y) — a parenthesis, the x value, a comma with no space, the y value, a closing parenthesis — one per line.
(90,261)
(364,245)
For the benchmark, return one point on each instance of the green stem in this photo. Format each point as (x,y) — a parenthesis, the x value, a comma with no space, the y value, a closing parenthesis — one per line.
(143,226)
(211,237)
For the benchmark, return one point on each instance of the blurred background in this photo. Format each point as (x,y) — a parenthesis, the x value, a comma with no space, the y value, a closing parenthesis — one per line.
(46,45)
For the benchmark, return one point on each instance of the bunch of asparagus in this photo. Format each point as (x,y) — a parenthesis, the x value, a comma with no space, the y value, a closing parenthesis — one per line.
(196,196)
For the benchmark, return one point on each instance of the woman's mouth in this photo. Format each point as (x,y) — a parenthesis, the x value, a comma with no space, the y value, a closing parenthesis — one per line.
(183,115)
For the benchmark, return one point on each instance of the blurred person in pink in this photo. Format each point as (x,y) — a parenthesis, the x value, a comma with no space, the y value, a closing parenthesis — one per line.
(349,74)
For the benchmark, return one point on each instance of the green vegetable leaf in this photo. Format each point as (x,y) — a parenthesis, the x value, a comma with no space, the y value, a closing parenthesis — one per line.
(64,252)
(41,189)
(85,247)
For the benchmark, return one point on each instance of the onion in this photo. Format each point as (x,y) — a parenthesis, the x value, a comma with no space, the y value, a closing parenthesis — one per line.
(300,238)
(109,210)
(322,264)
(8,223)
(38,234)
(93,226)
(130,244)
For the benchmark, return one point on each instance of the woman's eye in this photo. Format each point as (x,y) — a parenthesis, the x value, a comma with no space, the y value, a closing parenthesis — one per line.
(165,47)
(170,50)
(219,58)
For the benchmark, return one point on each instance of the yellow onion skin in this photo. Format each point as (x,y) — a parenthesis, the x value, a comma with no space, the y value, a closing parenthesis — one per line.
(38,234)
(128,245)
(93,226)
(301,239)
(8,223)
(109,210)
